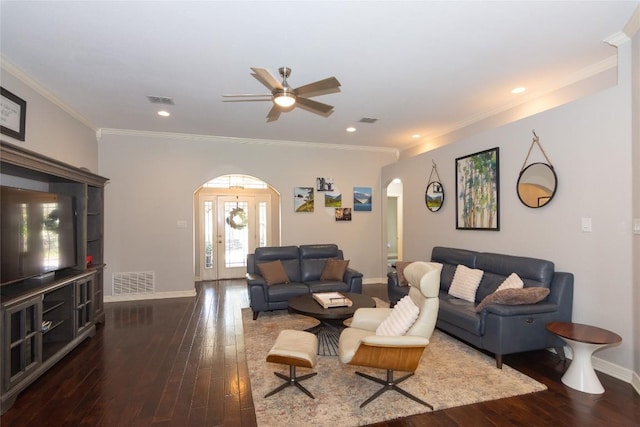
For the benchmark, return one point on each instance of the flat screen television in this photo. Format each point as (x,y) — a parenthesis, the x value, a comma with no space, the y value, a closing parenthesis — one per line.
(38,233)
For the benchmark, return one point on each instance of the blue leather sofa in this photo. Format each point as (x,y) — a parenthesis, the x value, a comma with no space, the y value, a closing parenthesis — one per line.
(499,329)
(304,265)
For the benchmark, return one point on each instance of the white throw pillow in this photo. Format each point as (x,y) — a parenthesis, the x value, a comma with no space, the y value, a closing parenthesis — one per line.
(512,282)
(465,283)
(402,317)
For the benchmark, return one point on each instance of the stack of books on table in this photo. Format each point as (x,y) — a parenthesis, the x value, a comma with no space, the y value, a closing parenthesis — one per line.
(332,299)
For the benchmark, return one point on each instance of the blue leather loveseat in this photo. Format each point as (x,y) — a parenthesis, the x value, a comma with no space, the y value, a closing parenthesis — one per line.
(498,328)
(304,266)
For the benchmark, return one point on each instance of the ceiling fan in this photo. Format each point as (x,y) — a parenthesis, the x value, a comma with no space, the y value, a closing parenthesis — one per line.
(286,98)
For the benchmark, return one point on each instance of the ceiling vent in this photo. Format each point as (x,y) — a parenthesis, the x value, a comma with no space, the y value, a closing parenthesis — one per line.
(164,100)
(367,120)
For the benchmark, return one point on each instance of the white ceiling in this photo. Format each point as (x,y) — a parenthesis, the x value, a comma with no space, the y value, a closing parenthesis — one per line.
(419,67)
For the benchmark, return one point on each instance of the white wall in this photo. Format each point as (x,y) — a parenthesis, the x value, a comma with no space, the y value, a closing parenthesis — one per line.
(49,129)
(153,178)
(589,144)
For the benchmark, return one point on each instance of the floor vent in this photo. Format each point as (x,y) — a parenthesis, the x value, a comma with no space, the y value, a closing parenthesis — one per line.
(136,283)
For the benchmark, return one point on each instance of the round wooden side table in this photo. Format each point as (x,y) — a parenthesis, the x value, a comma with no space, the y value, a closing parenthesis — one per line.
(584,340)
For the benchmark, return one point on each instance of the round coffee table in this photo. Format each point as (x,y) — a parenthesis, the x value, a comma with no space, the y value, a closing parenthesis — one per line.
(328,331)
(584,340)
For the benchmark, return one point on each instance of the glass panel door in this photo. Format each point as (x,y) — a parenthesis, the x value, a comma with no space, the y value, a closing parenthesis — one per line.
(230,228)
(236,235)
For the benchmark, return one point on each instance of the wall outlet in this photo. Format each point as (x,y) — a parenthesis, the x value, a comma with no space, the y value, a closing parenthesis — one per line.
(636,226)
(182,223)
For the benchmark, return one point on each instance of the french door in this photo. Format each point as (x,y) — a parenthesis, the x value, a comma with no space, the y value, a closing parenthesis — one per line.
(231,227)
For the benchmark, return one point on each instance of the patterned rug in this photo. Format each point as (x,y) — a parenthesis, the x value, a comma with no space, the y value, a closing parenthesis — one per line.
(450,374)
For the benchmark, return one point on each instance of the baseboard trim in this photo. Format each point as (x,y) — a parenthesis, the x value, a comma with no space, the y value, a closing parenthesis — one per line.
(374,280)
(155,295)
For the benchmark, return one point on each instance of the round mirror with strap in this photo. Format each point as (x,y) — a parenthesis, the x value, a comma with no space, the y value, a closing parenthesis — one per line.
(537,182)
(434,195)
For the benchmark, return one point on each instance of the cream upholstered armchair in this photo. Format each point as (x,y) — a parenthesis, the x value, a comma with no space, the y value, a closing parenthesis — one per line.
(361,346)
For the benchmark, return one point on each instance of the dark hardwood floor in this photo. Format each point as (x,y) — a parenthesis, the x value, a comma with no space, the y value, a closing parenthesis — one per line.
(180,362)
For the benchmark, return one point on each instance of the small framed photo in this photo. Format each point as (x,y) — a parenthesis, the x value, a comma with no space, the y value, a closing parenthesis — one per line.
(13,115)
(343,214)
(324,184)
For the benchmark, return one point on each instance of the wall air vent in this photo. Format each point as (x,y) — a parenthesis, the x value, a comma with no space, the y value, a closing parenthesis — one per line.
(135,283)
(163,100)
(367,120)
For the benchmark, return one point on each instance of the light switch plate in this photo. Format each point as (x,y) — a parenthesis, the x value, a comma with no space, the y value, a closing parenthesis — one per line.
(586,225)
(636,226)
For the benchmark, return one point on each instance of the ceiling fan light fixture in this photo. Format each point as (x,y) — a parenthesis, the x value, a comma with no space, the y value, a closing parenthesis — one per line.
(284,98)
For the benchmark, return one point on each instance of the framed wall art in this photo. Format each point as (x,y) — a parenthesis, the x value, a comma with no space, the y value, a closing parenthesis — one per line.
(362,199)
(343,214)
(303,199)
(477,191)
(324,184)
(13,115)
(332,199)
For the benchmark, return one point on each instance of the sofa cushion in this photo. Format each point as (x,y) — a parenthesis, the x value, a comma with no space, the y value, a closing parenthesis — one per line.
(288,255)
(402,317)
(328,286)
(334,269)
(512,282)
(273,272)
(400,266)
(460,313)
(465,283)
(313,259)
(497,267)
(450,258)
(285,291)
(530,295)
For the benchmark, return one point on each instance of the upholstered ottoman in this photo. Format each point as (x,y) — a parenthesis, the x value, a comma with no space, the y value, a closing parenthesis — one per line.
(294,348)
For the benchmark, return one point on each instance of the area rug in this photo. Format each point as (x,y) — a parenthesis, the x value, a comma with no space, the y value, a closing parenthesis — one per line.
(450,374)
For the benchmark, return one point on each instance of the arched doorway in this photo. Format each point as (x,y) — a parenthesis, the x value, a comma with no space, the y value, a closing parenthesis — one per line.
(234,215)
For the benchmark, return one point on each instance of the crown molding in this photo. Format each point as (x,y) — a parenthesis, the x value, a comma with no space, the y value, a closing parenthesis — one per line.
(7,66)
(633,26)
(617,39)
(249,141)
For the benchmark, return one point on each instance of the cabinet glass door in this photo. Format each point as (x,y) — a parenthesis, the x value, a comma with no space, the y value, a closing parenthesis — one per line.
(84,304)
(22,324)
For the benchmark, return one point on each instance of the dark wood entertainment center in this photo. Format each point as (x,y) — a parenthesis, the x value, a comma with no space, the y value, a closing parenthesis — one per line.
(43,319)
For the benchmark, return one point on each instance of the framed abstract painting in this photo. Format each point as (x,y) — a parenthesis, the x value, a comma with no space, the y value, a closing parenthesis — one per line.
(478,191)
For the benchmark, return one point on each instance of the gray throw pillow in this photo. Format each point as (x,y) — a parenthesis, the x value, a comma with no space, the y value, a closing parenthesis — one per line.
(530,295)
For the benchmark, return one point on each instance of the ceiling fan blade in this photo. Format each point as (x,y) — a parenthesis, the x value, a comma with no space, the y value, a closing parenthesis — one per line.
(266,78)
(314,106)
(321,87)
(274,114)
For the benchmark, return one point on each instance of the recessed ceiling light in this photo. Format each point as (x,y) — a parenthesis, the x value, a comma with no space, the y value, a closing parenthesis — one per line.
(415,136)
(164,113)
(518,90)
(351,129)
